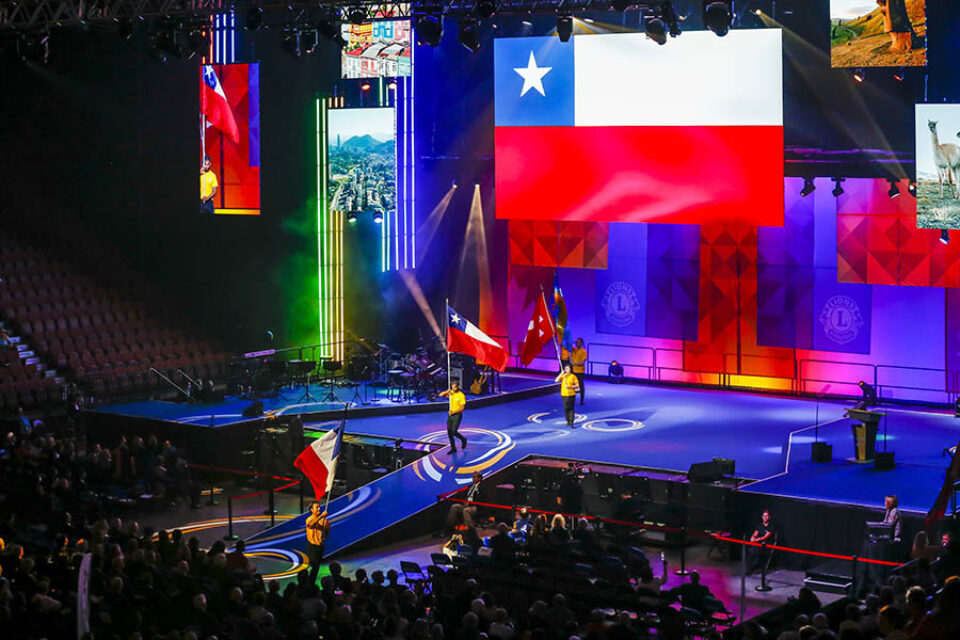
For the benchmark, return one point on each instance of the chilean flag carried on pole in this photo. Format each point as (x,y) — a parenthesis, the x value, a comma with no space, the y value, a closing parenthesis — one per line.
(539,332)
(319,461)
(214,105)
(615,128)
(465,337)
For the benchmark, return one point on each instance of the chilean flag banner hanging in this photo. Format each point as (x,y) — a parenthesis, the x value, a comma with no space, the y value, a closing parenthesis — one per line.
(214,105)
(464,337)
(615,128)
(319,461)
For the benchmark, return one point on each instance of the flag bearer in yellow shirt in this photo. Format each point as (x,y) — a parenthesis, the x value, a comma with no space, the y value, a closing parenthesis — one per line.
(569,385)
(458,402)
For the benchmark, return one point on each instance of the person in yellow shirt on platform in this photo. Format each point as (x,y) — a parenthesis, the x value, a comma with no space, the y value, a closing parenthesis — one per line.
(569,385)
(208,186)
(458,402)
(578,358)
(318,528)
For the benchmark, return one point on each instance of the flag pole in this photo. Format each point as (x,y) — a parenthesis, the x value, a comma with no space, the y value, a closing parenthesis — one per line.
(446,340)
(556,343)
(343,422)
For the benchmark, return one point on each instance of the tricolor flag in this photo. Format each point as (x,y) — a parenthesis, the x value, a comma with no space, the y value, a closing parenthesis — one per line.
(319,461)
(464,337)
(214,105)
(539,331)
(616,128)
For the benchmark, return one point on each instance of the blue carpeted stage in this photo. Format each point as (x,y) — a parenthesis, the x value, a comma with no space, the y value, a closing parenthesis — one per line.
(645,426)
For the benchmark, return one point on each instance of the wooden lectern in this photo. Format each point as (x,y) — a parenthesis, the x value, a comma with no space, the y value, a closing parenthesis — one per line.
(864,433)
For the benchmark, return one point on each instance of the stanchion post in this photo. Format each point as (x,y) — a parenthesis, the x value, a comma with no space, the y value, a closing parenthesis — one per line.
(212,501)
(273,512)
(230,535)
(682,571)
(743,579)
(853,578)
(763,586)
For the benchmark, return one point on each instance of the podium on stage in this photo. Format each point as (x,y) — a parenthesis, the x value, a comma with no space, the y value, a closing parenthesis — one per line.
(864,434)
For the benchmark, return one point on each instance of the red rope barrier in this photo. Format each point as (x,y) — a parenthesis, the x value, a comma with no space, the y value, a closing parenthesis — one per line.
(641,525)
(290,481)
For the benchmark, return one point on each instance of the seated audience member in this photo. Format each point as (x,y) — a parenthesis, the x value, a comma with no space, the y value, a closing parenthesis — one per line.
(522,524)
(236,560)
(697,596)
(916,608)
(922,548)
(502,545)
(891,622)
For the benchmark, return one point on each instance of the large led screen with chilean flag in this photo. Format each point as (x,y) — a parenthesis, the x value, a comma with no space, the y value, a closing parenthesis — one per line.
(615,128)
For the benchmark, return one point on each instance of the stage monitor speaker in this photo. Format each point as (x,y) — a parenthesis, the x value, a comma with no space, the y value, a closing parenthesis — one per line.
(822,452)
(705,472)
(883,461)
(728,466)
(254,410)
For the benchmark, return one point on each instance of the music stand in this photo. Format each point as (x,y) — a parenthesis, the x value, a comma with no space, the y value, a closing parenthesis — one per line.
(304,368)
(330,366)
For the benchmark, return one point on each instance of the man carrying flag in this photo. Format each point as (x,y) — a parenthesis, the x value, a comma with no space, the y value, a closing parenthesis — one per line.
(539,332)
(319,463)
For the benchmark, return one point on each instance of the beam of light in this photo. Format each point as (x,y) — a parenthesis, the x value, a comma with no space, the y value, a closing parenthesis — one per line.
(835,88)
(429,226)
(475,239)
(413,286)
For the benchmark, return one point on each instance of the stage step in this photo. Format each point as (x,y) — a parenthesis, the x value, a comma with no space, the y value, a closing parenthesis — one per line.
(832,576)
(31,360)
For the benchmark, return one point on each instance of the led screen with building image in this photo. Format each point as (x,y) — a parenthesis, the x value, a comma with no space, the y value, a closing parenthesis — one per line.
(878,33)
(376,49)
(362,161)
(938,166)
(230,138)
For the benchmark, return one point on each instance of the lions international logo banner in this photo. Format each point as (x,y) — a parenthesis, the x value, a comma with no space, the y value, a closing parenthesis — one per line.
(841,315)
(621,297)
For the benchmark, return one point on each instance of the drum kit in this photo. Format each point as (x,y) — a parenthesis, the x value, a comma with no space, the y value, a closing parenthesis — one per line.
(407,377)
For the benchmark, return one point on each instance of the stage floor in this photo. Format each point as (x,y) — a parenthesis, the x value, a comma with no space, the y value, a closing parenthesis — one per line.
(655,427)
(651,426)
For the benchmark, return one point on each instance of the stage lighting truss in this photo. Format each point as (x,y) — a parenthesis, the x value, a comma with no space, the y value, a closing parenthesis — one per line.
(25,15)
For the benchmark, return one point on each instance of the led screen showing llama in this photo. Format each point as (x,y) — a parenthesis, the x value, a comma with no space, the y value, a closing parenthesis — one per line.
(938,166)
(878,33)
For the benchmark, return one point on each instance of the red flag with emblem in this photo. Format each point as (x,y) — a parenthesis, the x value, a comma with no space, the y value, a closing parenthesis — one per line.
(539,332)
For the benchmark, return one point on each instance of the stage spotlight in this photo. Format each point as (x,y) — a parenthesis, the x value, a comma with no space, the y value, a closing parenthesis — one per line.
(365,86)
(717,16)
(469,34)
(331,31)
(869,395)
(429,30)
(859,75)
(837,190)
(486,9)
(656,30)
(254,19)
(351,217)
(912,188)
(357,15)
(378,217)
(894,190)
(564,28)
(124,28)
(945,236)
(392,85)
(290,43)
(808,187)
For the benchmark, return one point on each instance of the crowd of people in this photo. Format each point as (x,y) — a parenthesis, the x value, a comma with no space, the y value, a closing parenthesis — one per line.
(537,578)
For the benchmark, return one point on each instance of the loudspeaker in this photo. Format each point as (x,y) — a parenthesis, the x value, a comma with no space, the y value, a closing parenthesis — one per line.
(883,461)
(254,410)
(728,466)
(822,452)
(705,472)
